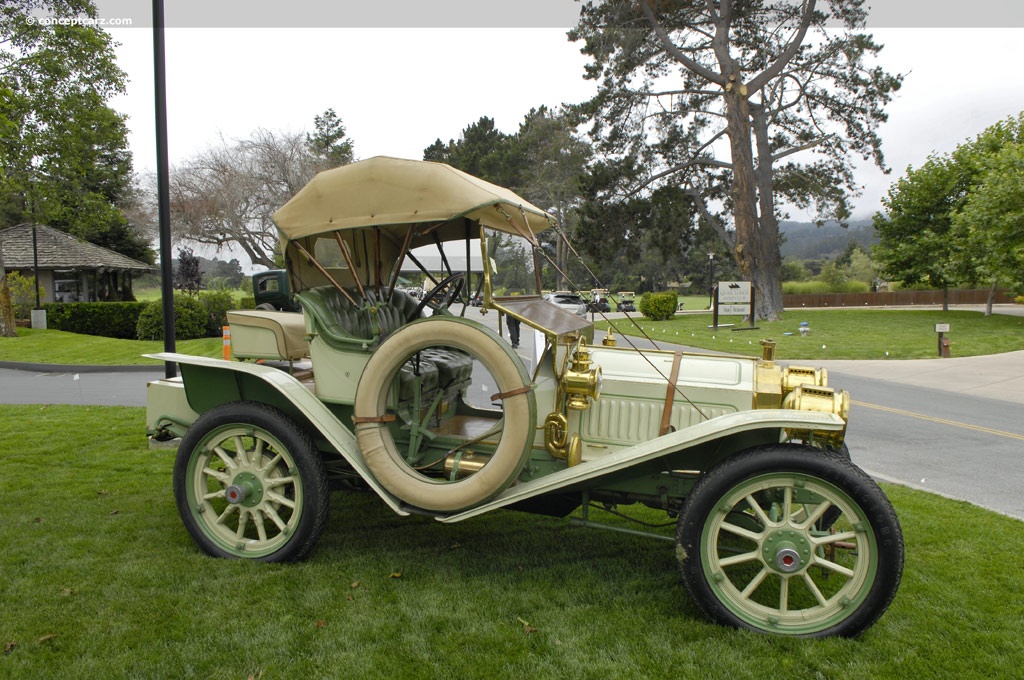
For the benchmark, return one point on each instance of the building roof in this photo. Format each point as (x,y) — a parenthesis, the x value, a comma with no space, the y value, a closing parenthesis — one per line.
(60,250)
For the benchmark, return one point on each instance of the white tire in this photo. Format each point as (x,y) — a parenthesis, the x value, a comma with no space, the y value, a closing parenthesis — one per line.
(378,446)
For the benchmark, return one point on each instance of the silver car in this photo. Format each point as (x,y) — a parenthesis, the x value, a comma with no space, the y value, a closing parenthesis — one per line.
(571,302)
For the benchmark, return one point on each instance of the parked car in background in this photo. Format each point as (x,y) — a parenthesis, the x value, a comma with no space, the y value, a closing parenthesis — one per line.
(626,302)
(571,302)
(272,292)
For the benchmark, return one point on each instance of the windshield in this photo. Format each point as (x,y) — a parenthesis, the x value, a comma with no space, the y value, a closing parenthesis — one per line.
(513,266)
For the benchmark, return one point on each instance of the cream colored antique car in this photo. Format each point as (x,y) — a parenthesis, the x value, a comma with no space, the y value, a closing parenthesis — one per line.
(426,405)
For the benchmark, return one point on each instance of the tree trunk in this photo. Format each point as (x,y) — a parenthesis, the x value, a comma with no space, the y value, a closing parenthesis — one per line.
(769,260)
(945,298)
(756,253)
(991,298)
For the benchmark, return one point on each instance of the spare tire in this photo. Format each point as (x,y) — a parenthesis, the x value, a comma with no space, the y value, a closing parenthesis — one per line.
(378,446)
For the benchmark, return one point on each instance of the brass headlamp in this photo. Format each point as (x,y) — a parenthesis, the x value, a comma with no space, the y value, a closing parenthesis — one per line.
(581,380)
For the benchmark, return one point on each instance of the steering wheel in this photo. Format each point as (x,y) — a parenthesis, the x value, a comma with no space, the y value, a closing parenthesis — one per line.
(442,296)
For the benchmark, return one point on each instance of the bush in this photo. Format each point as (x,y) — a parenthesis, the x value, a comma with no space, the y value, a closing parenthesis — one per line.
(105,319)
(190,319)
(23,298)
(659,306)
(216,304)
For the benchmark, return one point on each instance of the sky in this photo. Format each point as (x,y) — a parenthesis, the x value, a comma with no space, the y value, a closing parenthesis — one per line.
(400,77)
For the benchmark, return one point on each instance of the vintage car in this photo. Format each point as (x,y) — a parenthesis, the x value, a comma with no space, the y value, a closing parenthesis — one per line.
(433,411)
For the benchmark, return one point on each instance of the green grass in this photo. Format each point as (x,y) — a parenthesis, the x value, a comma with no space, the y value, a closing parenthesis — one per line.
(843,333)
(835,334)
(100,576)
(59,347)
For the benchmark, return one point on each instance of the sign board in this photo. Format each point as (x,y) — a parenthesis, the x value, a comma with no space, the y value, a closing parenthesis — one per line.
(942,328)
(734,297)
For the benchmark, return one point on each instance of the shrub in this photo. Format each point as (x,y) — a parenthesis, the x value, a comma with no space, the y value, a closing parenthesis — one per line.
(190,319)
(105,319)
(659,306)
(216,304)
(23,298)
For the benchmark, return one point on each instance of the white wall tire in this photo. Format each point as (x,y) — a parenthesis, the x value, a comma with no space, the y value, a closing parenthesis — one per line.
(378,446)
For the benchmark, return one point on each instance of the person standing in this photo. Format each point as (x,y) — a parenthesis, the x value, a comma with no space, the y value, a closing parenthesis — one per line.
(513,331)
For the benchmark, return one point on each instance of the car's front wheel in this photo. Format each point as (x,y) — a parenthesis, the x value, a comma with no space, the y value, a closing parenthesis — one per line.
(754,552)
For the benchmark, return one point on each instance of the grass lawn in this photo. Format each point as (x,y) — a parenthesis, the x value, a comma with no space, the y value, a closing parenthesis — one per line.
(843,333)
(101,577)
(59,347)
(835,334)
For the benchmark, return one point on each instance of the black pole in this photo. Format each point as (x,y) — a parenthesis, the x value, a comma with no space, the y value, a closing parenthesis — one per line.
(711,279)
(35,263)
(163,184)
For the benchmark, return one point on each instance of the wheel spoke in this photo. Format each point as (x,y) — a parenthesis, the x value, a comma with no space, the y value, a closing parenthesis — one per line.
(241,452)
(835,538)
(754,583)
(273,462)
(758,510)
(261,531)
(819,510)
(219,493)
(813,587)
(228,460)
(275,518)
(274,482)
(784,595)
(243,522)
(281,500)
(832,566)
(739,559)
(219,475)
(741,532)
(223,517)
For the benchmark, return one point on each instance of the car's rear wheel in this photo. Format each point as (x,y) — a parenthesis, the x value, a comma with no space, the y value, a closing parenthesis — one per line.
(754,555)
(249,483)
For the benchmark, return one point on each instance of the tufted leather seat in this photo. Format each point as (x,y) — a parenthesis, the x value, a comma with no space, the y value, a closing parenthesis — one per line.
(343,325)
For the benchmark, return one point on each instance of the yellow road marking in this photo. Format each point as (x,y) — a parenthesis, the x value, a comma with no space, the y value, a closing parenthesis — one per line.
(954,423)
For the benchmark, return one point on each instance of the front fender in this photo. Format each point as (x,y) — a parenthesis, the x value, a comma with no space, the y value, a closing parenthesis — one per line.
(592,472)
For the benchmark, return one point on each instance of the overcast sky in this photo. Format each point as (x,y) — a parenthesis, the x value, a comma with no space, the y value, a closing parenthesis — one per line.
(400,78)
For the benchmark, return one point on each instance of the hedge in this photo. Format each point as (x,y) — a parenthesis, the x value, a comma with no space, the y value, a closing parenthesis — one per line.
(106,319)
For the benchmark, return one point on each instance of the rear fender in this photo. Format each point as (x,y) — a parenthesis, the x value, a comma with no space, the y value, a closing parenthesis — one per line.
(211,382)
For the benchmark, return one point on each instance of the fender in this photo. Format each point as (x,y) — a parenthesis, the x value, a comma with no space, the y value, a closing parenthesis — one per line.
(708,431)
(297,397)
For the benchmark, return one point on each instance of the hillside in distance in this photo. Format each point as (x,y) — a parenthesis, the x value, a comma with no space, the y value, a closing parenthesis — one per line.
(807,241)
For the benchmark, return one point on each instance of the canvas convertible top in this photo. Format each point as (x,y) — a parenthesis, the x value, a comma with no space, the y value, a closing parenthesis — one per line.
(393,193)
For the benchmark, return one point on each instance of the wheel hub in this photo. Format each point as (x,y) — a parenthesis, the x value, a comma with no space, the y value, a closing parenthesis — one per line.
(245,488)
(786,551)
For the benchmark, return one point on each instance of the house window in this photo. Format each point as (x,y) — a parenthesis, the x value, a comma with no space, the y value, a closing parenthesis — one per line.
(65,286)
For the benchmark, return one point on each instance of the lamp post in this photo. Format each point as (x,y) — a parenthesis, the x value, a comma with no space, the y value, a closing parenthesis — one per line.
(711,280)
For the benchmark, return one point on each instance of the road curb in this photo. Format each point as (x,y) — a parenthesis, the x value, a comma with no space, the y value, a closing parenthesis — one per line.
(79,368)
